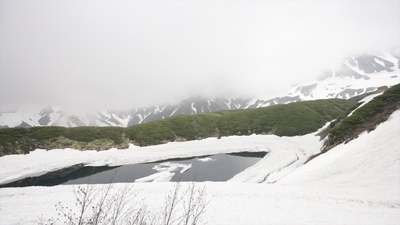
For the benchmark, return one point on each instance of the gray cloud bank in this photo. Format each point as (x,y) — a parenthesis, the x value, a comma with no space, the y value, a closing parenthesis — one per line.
(125,54)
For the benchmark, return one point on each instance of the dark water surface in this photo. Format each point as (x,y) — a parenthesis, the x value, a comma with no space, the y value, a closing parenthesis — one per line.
(219,167)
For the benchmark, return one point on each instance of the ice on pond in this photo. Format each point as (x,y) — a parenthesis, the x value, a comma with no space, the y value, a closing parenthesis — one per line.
(207,159)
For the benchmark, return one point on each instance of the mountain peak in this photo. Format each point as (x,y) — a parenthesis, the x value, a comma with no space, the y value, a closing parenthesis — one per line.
(356,75)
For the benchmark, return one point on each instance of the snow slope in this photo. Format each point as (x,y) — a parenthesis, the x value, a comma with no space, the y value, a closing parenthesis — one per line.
(353,183)
(370,160)
(356,76)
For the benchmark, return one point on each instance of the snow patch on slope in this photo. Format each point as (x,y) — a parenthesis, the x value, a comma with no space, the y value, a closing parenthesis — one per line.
(353,183)
(371,159)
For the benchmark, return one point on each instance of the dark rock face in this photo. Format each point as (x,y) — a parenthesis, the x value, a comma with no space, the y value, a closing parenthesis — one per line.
(189,106)
(45,120)
(345,71)
(24,125)
(348,93)
(373,64)
(306,90)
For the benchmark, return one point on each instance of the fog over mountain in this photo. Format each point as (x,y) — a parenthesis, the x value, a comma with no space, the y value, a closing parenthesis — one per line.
(82,55)
(358,75)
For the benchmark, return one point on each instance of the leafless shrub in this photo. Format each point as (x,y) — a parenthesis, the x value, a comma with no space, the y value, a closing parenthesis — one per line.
(192,201)
(107,206)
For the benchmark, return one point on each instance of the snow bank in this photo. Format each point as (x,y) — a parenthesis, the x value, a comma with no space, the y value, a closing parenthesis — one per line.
(231,203)
(365,101)
(38,162)
(371,159)
(353,183)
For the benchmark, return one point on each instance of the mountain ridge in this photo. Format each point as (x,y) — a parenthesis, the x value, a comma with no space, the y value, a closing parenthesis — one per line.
(356,76)
(283,120)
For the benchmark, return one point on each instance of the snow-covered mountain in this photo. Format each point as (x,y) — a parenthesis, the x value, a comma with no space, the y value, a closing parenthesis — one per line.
(51,116)
(356,76)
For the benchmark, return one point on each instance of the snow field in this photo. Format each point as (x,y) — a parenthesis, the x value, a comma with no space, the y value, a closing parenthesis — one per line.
(239,203)
(353,183)
(15,167)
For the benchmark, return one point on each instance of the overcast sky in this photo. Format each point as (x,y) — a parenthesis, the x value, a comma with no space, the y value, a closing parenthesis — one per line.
(126,54)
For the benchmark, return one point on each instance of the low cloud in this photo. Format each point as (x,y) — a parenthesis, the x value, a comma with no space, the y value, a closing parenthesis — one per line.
(127,54)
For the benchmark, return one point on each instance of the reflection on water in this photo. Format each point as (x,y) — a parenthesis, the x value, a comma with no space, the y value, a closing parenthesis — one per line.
(220,167)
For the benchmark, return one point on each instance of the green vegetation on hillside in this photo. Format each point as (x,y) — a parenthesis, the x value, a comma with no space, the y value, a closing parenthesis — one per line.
(23,140)
(366,117)
(284,120)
